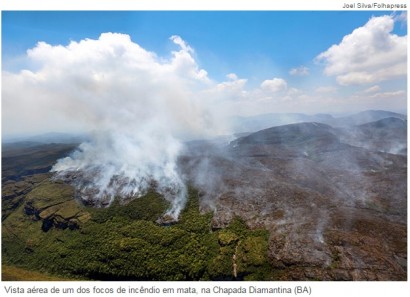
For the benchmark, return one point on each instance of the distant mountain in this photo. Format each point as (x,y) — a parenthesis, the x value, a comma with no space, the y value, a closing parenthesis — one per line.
(264,121)
(51,137)
(386,123)
(365,117)
(386,135)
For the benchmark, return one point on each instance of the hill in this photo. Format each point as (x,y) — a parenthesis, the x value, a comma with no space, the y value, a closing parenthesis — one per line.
(305,201)
(386,135)
(264,121)
(45,228)
(335,211)
(365,117)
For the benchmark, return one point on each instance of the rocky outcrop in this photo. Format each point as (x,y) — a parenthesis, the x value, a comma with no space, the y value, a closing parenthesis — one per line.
(53,203)
(13,193)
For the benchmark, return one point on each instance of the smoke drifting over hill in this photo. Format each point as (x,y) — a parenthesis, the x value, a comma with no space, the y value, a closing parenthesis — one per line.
(138,105)
(141,106)
(272,195)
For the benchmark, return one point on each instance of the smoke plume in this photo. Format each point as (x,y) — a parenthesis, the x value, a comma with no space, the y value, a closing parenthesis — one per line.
(139,106)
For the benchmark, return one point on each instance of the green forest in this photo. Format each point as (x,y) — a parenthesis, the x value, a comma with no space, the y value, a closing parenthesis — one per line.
(53,233)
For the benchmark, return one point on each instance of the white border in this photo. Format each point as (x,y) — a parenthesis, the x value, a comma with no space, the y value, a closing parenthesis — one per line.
(320,289)
(187,4)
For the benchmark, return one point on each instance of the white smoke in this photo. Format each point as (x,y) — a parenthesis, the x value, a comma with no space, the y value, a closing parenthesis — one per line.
(140,107)
(126,166)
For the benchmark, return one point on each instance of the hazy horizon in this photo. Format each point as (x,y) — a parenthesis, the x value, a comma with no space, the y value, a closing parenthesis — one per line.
(128,67)
(222,146)
(24,136)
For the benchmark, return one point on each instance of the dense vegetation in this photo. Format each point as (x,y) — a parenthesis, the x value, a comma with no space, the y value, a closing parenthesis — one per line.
(124,242)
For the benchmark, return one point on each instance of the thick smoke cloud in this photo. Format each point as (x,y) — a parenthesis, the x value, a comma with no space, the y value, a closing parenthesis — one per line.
(67,83)
(109,82)
(139,106)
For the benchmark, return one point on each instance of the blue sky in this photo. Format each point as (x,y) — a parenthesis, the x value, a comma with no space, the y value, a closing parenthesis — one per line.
(251,44)
(255,62)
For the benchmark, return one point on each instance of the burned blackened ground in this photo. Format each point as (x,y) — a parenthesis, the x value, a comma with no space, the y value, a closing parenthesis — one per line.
(305,201)
(335,210)
(387,135)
